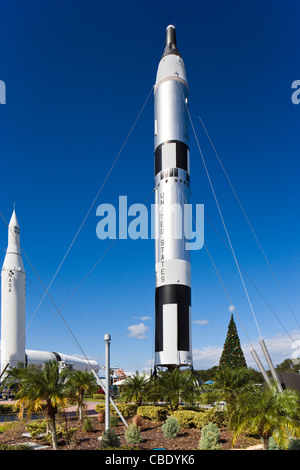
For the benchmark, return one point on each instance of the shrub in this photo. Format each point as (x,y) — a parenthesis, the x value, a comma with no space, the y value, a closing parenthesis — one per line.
(210,436)
(6,408)
(7,426)
(127,409)
(37,427)
(99,396)
(133,434)
(67,434)
(88,425)
(100,407)
(220,418)
(171,427)
(154,413)
(189,418)
(272,444)
(294,444)
(114,421)
(61,434)
(110,439)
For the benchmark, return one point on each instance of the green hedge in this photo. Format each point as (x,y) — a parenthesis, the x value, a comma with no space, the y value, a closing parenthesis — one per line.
(125,409)
(99,396)
(154,413)
(6,408)
(189,418)
(198,419)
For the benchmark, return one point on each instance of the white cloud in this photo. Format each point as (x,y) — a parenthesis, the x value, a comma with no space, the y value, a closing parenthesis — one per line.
(280,347)
(137,331)
(201,322)
(207,357)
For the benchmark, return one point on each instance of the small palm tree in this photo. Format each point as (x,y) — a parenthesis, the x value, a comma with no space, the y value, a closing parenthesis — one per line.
(175,385)
(80,382)
(233,382)
(36,387)
(267,413)
(135,388)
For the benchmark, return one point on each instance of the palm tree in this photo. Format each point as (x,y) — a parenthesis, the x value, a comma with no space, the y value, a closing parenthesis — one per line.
(135,388)
(232,382)
(36,387)
(175,385)
(267,413)
(80,382)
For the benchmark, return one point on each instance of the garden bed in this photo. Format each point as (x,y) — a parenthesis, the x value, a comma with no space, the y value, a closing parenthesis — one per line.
(187,439)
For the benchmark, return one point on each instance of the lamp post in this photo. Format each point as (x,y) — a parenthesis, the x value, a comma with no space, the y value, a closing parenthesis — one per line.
(107,381)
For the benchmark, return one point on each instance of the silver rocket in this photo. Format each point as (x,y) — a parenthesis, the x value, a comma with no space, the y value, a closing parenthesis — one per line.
(173,346)
(13,304)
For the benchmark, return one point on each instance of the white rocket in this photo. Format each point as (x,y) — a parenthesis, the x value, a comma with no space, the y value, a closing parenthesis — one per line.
(13,314)
(173,346)
(13,305)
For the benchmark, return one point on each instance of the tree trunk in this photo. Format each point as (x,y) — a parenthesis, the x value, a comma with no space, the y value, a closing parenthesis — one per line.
(53,431)
(80,405)
(47,425)
(266,443)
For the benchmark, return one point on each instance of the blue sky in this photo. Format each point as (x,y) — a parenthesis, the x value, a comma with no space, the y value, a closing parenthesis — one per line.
(77,74)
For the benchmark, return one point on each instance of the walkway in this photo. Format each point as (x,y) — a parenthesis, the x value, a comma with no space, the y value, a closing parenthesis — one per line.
(89,410)
(71,410)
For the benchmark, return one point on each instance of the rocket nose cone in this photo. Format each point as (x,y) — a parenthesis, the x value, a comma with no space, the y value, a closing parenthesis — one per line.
(14,220)
(13,257)
(13,234)
(171,46)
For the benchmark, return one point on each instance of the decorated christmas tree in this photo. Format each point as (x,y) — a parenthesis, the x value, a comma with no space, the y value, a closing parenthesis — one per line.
(232,355)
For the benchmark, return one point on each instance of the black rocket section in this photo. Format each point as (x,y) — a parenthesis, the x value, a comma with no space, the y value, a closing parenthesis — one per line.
(173,294)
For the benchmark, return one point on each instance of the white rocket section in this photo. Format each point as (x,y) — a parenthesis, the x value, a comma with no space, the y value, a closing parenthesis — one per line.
(13,306)
(39,357)
(172,259)
(13,314)
(170,332)
(171,117)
